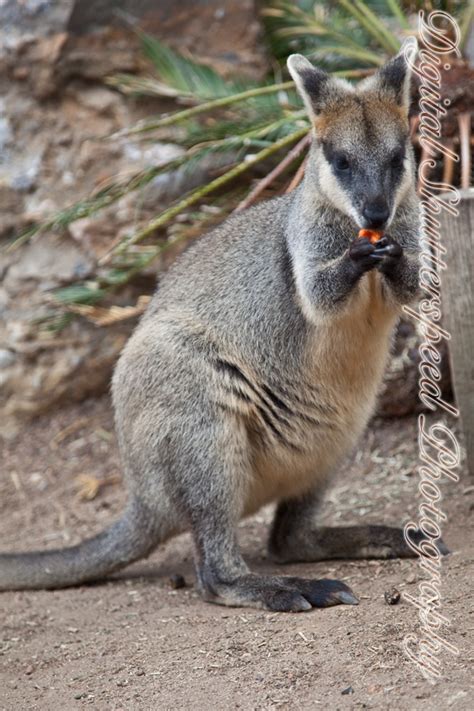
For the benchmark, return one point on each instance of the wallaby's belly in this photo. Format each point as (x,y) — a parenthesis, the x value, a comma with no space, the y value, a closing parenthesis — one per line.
(347,365)
(286,474)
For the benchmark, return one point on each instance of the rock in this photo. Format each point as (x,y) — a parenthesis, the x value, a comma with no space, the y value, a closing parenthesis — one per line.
(37,209)
(98,55)
(177,581)
(6,136)
(146,156)
(10,201)
(98,98)
(392,596)
(7,358)
(48,259)
(54,102)
(399,394)
(93,152)
(42,58)
(51,372)
(20,163)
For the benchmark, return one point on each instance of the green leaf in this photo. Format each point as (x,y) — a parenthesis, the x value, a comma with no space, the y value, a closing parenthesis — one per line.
(79,294)
(256,93)
(187,76)
(194,196)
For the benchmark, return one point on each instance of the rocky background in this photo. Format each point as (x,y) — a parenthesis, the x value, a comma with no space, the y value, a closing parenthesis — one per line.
(54,104)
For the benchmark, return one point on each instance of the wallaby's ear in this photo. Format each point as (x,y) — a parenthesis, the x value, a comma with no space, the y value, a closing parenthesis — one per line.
(394,77)
(312,83)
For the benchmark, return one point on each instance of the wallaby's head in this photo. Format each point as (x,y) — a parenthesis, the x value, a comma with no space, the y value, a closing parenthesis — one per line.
(362,159)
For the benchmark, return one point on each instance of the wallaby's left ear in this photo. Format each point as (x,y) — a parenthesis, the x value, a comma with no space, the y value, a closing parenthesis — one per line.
(315,86)
(394,77)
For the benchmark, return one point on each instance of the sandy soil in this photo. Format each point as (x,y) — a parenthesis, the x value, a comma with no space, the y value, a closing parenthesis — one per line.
(134,642)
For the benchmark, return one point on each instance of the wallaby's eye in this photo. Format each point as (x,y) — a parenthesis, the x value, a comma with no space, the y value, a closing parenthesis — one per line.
(341,163)
(397,159)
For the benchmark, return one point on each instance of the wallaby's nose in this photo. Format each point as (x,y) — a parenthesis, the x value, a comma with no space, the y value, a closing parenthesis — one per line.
(376,213)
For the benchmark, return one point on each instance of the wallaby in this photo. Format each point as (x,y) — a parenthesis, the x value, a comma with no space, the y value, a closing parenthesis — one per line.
(256,367)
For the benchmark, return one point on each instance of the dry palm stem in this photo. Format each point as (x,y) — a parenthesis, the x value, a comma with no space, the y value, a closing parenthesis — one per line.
(278,170)
(298,176)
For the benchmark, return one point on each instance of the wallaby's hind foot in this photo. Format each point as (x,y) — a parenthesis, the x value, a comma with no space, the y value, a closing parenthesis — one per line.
(223,576)
(295,538)
(280,594)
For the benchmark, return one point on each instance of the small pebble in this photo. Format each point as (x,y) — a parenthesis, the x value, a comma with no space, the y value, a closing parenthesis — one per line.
(177,581)
(29,670)
(392,596)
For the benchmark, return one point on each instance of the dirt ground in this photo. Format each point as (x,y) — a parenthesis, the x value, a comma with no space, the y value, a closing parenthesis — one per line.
(134,642)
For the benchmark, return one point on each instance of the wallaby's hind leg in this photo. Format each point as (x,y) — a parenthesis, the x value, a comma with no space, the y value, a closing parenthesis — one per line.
(217,470)
(296,537)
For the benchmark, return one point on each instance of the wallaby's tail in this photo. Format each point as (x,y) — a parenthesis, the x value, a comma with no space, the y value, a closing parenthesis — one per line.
(131,537)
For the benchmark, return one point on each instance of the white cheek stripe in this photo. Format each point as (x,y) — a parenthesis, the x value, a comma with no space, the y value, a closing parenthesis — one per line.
(403,188)
(333,191)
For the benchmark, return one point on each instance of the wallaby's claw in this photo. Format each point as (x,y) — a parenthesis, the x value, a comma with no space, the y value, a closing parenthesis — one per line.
(322,593)
(347,598)
(281,593)
(386,248)
(417,536)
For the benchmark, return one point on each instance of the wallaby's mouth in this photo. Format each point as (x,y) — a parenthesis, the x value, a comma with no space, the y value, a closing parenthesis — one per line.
(374,225)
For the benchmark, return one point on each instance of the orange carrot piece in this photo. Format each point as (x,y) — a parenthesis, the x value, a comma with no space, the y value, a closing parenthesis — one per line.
(372,235)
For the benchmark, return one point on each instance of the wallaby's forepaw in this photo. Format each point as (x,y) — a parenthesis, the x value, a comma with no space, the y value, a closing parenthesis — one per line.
(387,253)
(361,252)
(282,594)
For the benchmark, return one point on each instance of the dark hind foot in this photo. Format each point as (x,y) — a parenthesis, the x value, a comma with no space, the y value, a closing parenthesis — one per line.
(346,543)
(280,594)
(418,540)
(295,537)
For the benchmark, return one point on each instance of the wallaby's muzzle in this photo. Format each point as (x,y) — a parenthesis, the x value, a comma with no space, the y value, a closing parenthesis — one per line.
(376,213)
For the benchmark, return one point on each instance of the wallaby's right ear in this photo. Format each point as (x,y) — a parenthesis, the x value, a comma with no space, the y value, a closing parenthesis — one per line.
(315,86)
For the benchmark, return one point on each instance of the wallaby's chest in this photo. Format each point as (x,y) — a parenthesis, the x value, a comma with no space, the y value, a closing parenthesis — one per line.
(348,354)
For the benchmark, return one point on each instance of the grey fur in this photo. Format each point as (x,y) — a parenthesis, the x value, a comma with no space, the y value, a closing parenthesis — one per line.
(255,369)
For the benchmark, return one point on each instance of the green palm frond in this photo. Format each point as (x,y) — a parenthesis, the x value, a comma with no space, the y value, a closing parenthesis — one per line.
(397,12)
(363,31)
(104,197)
(201,192)
(87,293)
(351,31)
(375,27)
(188,77)
(357,54)
(266,96)
(250,126)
